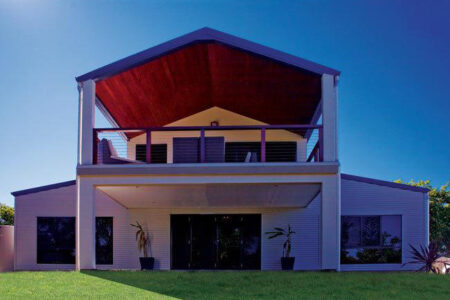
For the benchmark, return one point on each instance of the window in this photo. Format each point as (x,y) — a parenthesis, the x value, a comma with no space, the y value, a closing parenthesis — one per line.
(104,240)
(159,153)
(275,151)
(55,240)
(371,239)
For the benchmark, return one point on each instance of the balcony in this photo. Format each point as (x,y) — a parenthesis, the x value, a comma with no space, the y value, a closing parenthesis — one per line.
(237,144)
(163,104)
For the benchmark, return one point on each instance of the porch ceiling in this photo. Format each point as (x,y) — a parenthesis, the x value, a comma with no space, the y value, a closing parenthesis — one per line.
(204,74)
(214,195)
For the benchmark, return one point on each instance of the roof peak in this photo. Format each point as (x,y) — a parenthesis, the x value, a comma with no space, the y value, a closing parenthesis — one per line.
(203,34)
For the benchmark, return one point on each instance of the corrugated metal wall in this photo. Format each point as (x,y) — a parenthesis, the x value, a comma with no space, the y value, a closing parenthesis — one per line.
(52,203)
(359,198)
(62,202)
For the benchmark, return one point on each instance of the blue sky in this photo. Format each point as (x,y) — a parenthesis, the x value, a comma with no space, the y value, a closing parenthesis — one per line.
(394,100)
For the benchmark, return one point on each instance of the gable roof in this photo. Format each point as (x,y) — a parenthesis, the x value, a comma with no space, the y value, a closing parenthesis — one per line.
(384,183)
(204,35)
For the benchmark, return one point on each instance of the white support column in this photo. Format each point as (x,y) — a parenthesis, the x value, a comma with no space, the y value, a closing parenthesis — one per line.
(331,223)
(86,121)
(329,117)
(85,219)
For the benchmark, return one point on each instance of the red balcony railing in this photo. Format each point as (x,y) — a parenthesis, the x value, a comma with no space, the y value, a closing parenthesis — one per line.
(208,144)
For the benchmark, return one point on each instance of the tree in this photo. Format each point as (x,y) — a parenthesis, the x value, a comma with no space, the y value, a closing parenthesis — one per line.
(6,215)
(439,200)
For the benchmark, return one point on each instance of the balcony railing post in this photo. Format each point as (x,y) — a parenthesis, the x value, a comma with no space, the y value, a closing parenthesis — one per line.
(202,145)
(321,143)
(148,147)
(94,146)
(263,144)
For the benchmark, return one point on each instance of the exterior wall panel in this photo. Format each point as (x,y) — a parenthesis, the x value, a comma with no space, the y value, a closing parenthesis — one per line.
(52,203)
(359,198)
(123,234)
(305,243)
(61,202)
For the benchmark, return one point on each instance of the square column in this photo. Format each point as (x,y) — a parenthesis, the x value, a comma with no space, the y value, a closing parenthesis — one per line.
(329,118)
(85,225)
(86,122)
(331,223)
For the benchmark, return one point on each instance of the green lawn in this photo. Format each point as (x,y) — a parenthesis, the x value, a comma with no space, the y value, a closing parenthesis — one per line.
(222,285)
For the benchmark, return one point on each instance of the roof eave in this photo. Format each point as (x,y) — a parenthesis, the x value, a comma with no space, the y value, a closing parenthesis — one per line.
(203,34)
(44,188)
(384,183)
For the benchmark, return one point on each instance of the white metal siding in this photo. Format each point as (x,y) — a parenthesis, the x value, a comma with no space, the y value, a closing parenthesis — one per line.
(359,198)
(123,234)
(52,203)
(305,243)
(61,202)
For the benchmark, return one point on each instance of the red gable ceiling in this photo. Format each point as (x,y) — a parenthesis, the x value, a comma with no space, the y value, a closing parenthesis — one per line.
(204,75)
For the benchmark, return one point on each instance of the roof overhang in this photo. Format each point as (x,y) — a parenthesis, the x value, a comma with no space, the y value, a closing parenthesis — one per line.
(44,188)
(208,68)
(204,34)
(390,184)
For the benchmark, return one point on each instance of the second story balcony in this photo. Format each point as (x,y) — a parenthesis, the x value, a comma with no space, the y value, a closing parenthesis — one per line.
(209,144)
(209,98)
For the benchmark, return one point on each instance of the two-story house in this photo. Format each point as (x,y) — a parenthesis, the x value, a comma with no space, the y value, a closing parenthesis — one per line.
(215,140)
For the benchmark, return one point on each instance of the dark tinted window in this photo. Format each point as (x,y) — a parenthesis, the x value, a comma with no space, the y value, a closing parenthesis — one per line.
(159,153)
(371,239)
(281,151)
(275,151)
(104,240)
(55,240)
(237,151)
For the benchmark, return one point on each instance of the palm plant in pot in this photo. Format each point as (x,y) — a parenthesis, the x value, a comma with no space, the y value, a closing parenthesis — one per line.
(143,244)
(287,262)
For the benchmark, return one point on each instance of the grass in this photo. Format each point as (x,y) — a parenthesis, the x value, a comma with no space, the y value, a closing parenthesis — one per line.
(222,285)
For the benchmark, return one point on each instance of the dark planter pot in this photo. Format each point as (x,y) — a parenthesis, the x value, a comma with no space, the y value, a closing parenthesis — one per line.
(287,263)
(147,263)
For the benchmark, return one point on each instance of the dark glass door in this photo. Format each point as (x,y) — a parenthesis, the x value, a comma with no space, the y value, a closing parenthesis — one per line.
(229,242)
(216,241)
(251,242)
(203,239)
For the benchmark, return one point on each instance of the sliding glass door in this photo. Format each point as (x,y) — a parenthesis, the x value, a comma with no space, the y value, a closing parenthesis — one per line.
(216,241)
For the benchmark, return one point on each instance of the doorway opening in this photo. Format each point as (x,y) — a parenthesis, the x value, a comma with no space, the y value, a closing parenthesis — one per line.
(216,241)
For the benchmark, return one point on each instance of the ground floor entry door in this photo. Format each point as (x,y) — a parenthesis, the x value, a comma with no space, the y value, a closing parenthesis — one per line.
(216,241)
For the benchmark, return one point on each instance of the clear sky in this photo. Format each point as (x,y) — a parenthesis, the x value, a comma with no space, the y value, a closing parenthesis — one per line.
(394,100)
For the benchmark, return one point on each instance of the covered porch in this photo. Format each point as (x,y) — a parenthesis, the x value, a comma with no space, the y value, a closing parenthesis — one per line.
(186,214)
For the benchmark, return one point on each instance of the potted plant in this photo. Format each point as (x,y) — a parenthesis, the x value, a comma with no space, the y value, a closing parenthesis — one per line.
(143,243)
(287,262)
